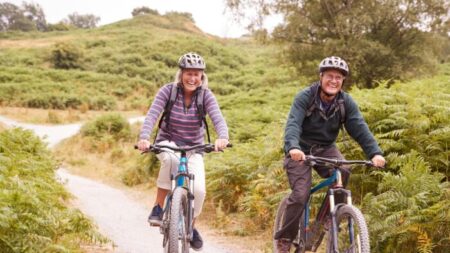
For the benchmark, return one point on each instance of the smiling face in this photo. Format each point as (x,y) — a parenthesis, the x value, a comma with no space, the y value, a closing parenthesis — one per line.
(191,79)
(331,82)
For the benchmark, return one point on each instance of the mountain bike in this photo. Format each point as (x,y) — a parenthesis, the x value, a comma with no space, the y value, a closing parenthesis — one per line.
(178,210)
(343,222)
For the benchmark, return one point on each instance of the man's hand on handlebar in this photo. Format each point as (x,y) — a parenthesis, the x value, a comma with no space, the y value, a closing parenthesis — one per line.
(297,155)
(378,161)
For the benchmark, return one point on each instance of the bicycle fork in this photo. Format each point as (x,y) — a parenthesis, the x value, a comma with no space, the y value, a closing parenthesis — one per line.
(333,210)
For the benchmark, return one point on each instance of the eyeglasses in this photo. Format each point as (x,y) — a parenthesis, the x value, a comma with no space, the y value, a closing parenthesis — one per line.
(329,76)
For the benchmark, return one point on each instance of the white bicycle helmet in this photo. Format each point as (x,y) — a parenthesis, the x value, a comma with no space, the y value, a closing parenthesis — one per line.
(334,62)
(191,61)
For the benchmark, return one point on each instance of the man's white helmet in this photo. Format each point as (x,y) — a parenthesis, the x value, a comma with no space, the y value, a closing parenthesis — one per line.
(334,62)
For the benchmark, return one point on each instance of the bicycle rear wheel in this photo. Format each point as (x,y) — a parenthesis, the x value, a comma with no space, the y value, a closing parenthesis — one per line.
(352,234)
(178,224)
(300,241)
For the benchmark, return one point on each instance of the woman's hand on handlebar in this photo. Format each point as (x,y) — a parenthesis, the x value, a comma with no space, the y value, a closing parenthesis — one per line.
(143,145)
(220,144)
(297,155)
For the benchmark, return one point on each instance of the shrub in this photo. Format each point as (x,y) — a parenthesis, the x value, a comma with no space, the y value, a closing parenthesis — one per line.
(60,27)
(112,124)
(33,215)
(66,56)
(102,103)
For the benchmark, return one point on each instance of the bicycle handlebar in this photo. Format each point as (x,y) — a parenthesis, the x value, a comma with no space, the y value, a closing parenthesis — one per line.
(336,162)
(207,148)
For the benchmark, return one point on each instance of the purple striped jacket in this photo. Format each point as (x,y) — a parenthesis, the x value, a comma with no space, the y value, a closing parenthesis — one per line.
(186,128)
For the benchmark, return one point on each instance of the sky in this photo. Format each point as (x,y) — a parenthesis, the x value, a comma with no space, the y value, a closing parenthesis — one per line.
(209,15)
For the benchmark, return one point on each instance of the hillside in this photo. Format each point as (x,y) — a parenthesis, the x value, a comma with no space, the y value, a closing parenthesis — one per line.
(121,66)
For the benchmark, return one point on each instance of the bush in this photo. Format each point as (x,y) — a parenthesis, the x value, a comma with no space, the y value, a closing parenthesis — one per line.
(33,215)
(143,11)
(112,124)
(60,27)
(102,103)
(66,56)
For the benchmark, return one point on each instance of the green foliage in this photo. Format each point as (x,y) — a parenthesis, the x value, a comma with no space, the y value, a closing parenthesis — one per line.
(143,10)
(410,211)
(34,216)
(380,39)
(85,21)
(174,15)
(125,64)
(61,26)
(28,17)
(112,124)
(66,56)
(411,116)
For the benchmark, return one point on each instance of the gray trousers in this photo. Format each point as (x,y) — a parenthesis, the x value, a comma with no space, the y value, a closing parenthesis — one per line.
(300,177)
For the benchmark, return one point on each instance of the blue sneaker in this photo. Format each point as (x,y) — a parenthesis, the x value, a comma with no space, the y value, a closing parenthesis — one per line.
(155,217)
(197,241)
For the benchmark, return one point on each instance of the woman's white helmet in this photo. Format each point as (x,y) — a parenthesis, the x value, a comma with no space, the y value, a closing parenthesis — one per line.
(334,62)
(191,61)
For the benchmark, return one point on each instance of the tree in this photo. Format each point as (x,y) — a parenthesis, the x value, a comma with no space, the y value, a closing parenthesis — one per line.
(82,21)
(143,10)
(35,13)
(383,39)
(29,17)
(8,13)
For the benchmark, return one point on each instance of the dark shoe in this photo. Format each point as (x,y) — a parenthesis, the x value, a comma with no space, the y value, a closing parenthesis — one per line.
(155,217)
(197,241)
(283,245)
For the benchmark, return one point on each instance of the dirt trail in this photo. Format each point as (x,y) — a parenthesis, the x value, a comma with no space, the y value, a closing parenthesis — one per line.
(119,217)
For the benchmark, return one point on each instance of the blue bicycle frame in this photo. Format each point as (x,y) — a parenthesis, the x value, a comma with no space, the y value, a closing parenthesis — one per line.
(338,187)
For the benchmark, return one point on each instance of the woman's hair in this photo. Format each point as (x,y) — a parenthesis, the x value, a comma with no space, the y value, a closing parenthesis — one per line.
(178,78)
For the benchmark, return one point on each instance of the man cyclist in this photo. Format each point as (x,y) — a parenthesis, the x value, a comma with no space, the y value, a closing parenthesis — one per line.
(313,124)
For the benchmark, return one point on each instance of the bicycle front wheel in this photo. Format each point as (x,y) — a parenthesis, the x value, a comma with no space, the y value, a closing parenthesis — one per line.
(178,224)
(352,235)
(298,245)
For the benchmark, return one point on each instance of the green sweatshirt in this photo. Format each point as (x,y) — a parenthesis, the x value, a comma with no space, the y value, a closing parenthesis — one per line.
(322,128)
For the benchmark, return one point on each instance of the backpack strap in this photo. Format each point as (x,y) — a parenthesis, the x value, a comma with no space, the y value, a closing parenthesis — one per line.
(341,105)
(314,89)
(200,98)
(168,108)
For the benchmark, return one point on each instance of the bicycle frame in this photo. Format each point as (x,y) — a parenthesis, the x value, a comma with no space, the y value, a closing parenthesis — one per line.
(181,178)
(335,178)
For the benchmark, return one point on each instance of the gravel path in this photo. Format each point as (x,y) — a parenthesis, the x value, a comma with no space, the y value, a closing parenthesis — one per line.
(119,217)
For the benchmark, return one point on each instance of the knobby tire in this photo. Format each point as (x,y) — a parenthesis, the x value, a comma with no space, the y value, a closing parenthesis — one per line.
(178,224)
(361,243)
